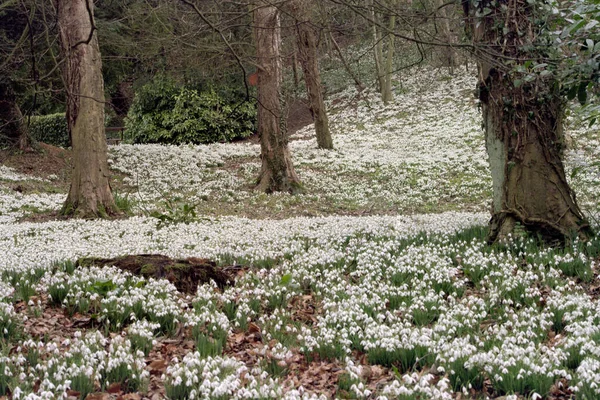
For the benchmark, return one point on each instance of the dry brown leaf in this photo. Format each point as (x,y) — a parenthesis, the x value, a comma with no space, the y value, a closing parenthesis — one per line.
(378,371)
(157,367)
(253,328)
(73,393)
(98,396)
(114,388)
(239,338)
(366,372)
(130,396)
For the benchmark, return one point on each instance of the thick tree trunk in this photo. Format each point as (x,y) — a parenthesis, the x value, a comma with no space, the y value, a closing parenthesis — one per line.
(524,145)
(12,124)
(277,173)
(307,51)
(523,129)
(90,194)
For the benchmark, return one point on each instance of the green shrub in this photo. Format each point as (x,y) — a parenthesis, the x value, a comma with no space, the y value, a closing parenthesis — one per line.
(51,129)
(163,112)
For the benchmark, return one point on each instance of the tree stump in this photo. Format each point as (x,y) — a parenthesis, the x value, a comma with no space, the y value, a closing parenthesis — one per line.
(185,274)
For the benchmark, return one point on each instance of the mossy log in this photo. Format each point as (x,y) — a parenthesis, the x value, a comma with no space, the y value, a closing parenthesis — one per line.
(185,274)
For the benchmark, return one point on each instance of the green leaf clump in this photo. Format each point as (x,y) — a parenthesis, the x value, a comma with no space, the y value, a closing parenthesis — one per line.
(51,129)
(167,113)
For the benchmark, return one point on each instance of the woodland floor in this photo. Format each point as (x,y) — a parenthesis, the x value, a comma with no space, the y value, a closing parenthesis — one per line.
(375,282)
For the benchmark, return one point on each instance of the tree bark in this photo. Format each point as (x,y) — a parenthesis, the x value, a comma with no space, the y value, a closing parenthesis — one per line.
(386,94)
(448,36)
(295,70)
(12,123)
(307,51)
(277,172)
(377,49)
(90,193)
(523,130)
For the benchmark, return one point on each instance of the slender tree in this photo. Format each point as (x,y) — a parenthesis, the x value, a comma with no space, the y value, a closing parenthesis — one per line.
(444,25)
(307,51)
(522,118)
(90,192)
(386,92)
(377,48)
(277,172)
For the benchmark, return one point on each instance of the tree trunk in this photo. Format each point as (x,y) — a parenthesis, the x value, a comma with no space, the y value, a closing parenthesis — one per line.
(386,95)
(447,35)
(523,129)
(307,51)
(295,70)
(277,173)
(12,123)
(90,194)
(377,49)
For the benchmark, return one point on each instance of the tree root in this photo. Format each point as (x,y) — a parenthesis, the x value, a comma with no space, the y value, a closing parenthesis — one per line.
(504,221)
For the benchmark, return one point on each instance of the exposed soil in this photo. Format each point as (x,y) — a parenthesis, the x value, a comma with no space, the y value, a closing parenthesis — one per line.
(185,274)
(299,115)
(46,160)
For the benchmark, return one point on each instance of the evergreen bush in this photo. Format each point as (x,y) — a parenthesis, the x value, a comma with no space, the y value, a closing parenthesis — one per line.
(163,112)
(51,129)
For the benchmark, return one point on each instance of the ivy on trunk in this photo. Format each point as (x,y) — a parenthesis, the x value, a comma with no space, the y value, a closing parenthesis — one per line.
(522,119)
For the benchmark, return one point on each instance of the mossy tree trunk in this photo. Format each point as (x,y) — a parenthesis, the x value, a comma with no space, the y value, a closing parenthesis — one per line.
(90,193)
(12,123)
(523,129)
(307,51)
(277,172)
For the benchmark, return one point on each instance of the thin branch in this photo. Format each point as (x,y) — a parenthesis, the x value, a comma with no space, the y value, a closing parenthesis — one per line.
(222,35)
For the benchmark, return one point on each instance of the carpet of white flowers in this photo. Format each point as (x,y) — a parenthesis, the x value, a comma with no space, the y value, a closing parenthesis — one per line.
(375,282)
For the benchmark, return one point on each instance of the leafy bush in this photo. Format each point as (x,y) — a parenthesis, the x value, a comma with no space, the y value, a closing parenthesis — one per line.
(163,112)
(51,129)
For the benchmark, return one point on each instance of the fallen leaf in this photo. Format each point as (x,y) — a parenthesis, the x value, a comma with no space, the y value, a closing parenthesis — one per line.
(252,327)
(377,371)
(98,396)
(366,372)
(157,367)
(114,388)
(130,396)
(239,337)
